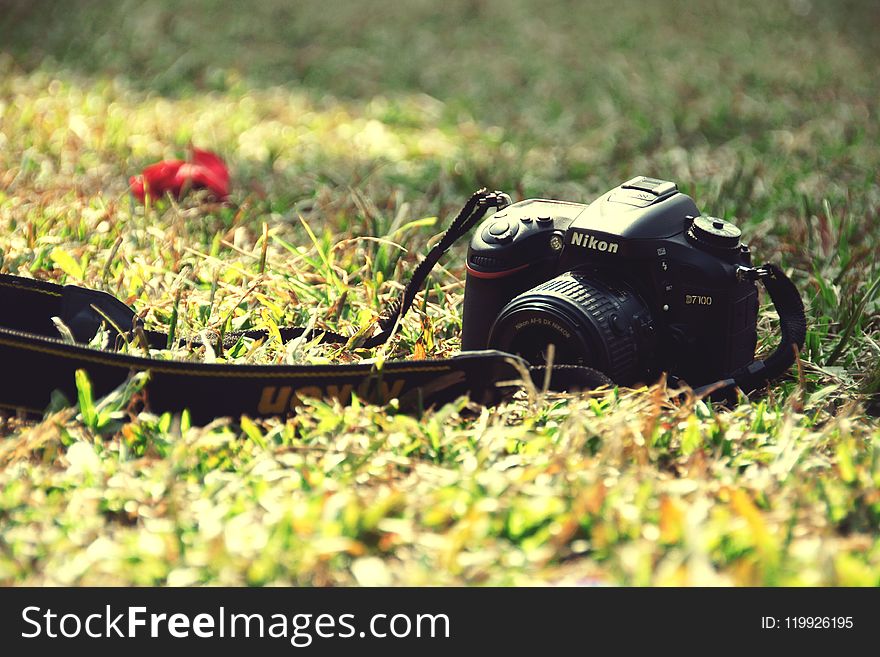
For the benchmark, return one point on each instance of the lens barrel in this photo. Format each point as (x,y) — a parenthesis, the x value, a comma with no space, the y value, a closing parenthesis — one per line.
(589,321)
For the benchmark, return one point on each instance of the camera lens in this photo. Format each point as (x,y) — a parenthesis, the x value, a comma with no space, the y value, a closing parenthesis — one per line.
(589,321)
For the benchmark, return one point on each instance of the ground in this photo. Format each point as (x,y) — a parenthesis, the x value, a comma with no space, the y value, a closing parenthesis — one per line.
(353,132)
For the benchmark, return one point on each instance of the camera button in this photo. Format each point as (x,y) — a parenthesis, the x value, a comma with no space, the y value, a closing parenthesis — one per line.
(618,325)
(499,228)
(544,220)
(526,220)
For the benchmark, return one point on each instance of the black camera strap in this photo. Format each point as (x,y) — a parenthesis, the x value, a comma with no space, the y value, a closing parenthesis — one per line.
(36,361)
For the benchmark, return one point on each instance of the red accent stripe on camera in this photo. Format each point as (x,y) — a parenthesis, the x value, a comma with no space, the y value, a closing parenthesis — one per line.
(494,274)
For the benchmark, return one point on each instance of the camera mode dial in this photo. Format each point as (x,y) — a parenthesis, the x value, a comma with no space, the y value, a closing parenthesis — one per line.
(714,232)
(500,231)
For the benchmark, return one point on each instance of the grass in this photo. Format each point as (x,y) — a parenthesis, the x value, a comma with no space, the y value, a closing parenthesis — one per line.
(352,135)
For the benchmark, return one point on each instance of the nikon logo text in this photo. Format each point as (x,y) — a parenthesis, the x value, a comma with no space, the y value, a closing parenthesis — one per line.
(276,400)
(590,242)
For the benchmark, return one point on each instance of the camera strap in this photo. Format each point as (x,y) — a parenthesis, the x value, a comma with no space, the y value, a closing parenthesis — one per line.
(36,361)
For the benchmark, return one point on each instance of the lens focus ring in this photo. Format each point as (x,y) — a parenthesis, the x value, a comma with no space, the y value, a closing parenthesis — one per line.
(589,321)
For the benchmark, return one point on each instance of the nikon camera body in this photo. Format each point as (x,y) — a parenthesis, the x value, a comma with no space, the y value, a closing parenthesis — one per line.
(634,284)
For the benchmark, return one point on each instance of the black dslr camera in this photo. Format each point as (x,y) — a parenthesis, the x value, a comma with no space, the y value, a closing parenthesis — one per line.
(634,284)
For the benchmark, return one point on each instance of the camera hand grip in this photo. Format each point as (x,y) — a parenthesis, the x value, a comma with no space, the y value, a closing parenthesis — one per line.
(793,327)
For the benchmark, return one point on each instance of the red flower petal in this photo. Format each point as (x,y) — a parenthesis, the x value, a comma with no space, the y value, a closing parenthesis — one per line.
(136,185)
(205,170)
(213,163)
(157,179)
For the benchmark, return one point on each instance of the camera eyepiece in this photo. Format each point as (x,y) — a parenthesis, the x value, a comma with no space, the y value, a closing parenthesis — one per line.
(589,321)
